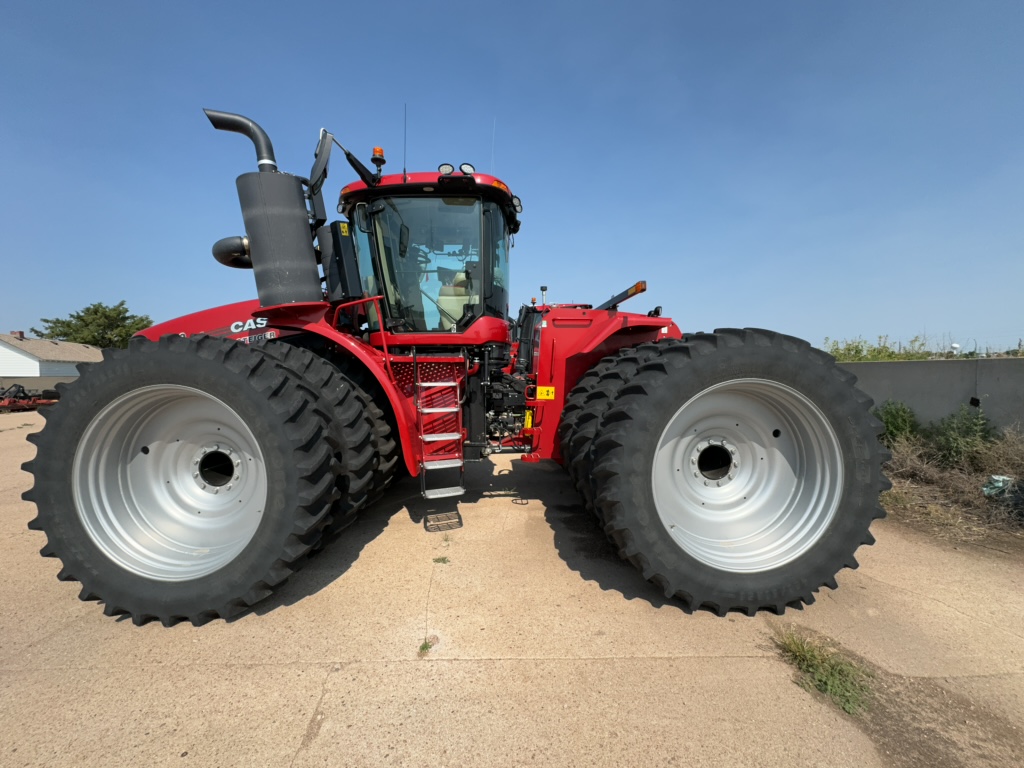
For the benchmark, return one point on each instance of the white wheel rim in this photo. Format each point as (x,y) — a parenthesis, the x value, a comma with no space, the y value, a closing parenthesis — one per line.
(747,475)
(169,482)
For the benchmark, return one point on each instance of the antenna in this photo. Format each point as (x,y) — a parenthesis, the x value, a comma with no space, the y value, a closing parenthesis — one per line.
(405,140)
(494,130)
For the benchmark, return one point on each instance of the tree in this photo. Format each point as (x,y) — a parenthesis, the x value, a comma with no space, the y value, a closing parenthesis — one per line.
(98,324)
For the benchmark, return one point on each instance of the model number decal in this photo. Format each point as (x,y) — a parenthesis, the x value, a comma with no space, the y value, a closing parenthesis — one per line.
(257,337)
(248,325)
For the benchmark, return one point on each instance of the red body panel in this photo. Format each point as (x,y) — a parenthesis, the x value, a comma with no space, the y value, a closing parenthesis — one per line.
(420,179)
(247,321)
(568,342)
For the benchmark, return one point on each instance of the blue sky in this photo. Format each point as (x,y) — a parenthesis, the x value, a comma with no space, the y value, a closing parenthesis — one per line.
(835,169)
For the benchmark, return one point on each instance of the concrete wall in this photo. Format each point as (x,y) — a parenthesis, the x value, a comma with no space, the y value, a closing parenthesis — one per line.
(937,388)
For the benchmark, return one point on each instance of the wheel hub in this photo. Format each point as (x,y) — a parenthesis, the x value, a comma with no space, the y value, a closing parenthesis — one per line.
(169,482)
(216,467)
(747,475)
(714,461)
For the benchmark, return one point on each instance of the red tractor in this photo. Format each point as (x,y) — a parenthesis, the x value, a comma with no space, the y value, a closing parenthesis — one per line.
(187,476)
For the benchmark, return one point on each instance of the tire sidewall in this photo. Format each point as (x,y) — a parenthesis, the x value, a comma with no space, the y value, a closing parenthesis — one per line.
(810,373)
(168,364)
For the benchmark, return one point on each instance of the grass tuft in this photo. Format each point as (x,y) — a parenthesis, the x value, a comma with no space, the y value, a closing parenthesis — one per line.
(824,668)
(442,560)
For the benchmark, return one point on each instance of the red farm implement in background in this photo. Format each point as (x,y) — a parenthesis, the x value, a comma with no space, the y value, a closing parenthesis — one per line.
(17,398)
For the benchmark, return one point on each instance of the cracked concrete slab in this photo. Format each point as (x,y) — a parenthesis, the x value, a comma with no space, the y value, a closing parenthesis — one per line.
(548,649)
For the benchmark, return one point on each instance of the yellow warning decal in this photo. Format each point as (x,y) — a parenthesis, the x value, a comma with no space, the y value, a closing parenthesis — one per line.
(344,228)
(528,423)
(545,393)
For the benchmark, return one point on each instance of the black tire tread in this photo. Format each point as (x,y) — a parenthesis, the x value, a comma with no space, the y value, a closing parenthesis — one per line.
(296,408)
(351,425)
(614,378)
(621,427)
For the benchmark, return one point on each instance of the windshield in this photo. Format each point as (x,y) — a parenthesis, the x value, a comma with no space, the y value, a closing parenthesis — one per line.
(440,263)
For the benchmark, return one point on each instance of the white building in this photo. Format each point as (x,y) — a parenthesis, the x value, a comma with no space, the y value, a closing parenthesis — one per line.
(40,363)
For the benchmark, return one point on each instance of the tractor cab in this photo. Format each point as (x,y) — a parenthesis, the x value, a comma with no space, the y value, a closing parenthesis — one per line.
(434,246)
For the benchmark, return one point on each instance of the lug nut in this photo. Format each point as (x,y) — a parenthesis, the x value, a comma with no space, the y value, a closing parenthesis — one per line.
(237,462)
(228,487)
(195,474)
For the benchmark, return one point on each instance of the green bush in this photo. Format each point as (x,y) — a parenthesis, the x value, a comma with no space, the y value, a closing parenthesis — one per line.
(860,350)
(899,420)
(958,441)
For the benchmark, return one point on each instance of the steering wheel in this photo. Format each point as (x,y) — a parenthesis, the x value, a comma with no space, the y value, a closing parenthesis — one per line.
(422,255)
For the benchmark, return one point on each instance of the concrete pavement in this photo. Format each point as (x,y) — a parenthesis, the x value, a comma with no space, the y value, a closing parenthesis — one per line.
(548,650)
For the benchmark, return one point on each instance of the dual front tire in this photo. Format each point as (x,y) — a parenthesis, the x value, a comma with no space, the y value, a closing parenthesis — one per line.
(737,470)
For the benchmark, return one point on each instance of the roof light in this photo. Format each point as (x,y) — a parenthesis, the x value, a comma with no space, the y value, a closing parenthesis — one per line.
(467,169)
(378,158)
(445,169)
(517,204)
(501,185)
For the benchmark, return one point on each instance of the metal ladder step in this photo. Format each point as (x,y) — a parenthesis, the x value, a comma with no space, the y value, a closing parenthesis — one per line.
(437,384)
(442,437)
(442,521)
(442,464)
(443,493)
(445,409)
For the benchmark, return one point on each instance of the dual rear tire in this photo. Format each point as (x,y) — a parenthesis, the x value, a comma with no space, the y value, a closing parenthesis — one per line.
(185,479)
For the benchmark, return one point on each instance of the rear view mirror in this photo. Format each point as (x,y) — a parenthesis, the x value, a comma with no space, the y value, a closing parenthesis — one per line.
(361,217)
(321,159)
(403,241)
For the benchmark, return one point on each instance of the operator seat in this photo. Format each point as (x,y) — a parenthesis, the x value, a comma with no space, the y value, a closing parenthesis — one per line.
(454,298)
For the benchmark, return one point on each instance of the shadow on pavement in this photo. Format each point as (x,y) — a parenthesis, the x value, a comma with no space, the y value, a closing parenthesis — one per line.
(578,538)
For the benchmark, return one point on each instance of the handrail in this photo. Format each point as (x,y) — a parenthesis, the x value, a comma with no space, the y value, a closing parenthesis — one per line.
(383,337)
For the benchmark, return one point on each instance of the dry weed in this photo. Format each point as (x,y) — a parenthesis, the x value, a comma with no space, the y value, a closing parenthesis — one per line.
(950,501)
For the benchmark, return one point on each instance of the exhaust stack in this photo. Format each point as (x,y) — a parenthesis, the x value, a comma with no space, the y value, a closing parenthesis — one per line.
(276,221)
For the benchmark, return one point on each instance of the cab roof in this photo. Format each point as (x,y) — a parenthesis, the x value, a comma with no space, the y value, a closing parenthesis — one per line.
(434,184)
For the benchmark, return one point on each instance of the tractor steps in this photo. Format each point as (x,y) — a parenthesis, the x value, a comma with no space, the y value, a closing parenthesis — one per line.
(442,464)
(439,393)
(443,493)
(445,521)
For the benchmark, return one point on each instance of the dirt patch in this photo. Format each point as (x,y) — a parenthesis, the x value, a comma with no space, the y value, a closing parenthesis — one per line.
(915,721)
(5,427)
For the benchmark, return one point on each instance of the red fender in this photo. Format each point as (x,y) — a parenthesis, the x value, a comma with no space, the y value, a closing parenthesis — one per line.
(247,321)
